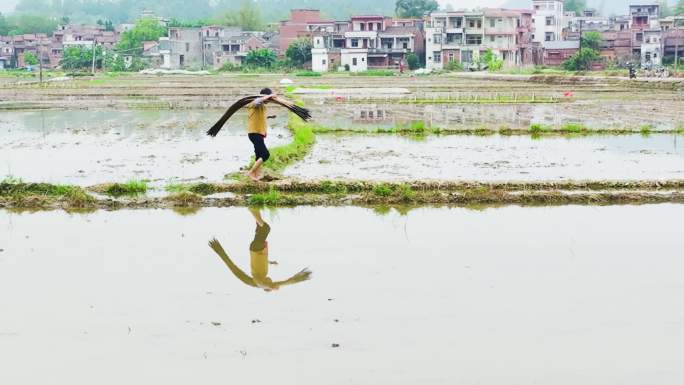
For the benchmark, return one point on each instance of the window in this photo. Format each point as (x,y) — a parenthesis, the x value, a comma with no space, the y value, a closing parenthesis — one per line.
(438,56)
(549,20)
(323,62)
(467,56)
(451,56)
(353,61)
(639,36)
(536,7)
(471,23)
(437,38)
(479,24)
(473,39)
(363,59)
(549,36)
(492,38)
(492,23)
(370,26)
(363,26)
(354,43)
(405,45)
(187,47)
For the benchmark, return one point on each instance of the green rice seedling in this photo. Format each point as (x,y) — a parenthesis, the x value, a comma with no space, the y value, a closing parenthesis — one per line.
(131,188)
(270,198)
(573,128)
(382,189)
(406,193)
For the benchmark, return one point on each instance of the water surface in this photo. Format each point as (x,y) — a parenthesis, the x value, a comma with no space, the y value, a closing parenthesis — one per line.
(549,295)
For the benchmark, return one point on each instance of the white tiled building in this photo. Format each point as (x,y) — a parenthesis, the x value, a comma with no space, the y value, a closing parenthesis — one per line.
(548,20)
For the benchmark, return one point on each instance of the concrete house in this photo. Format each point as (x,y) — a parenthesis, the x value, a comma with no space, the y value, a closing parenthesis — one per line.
(548,20)
(461,36)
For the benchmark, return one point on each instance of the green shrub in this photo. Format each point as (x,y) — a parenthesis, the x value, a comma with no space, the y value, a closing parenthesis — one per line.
(413,61)
(382,189)
(454,66)
(308,73)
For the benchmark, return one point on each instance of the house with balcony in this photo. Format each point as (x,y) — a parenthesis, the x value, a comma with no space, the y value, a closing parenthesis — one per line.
(461,36)
(366,42)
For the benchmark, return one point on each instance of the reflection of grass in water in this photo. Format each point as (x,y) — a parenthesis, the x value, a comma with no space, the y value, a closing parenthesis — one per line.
(269,198)
(132,187)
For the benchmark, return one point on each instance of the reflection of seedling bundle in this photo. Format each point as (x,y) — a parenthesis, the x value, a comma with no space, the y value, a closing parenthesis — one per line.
(297,110)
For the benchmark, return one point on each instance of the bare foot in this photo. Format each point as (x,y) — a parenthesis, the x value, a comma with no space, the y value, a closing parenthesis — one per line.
(253,177)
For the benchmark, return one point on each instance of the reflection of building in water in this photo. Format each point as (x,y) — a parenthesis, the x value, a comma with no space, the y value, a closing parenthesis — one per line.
(259,262)
(371,113)
(490,115)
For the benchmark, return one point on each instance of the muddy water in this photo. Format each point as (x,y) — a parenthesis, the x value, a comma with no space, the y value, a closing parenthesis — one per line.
(608,114)
(87,147)
(562,295)
(496,158)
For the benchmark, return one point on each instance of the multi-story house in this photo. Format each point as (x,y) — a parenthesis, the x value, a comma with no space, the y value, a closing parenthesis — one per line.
(645,27)
(548,20)
(367,42)
(183,48)
(461,36)
(303,23)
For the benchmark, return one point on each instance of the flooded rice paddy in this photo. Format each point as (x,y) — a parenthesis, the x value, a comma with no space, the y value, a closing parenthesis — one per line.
(87,147)
(493,158)
(551,295)
(611,114)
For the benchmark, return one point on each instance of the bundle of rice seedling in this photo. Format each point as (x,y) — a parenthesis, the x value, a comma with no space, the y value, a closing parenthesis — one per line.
(302,112)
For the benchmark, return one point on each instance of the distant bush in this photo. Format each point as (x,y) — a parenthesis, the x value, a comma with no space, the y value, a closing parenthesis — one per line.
(308,73)
(413,61)
(229,67)
(454,66)
(376,73)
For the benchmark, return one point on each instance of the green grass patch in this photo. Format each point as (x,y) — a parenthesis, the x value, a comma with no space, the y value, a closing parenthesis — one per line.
(302,142)
(41,194)
(573,128)
(406,193)
(130,188)
(328,187)
(375,73)
(184,199)
(269,198)
(537,128)
(645,129)
(308,74)
(383,190)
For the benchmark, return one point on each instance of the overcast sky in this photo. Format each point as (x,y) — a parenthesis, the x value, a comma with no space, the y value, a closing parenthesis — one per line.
(7,5)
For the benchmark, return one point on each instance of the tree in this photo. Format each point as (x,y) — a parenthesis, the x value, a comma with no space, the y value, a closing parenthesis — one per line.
(591,39)
(247,17)
(79,57)
(679,8)
(299,51)
(4,25)
(413,61)
(665,10)
(581,60)
(415,8)
(21,24)
(30,58)
(144,30)
(489,59)
(261,58)
(577,6)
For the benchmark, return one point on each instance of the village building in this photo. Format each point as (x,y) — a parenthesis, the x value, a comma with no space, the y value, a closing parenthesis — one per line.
(461,36)
(548,20)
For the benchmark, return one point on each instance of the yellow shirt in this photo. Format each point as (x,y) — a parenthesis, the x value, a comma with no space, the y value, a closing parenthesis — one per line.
(256,119)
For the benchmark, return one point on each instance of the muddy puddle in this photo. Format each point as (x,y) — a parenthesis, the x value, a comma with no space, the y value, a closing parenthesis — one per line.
(511,295)
(89,146)
(610,114)
(493,158)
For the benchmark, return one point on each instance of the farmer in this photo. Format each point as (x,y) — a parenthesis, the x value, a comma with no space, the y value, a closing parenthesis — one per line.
(256,129)
(259,262)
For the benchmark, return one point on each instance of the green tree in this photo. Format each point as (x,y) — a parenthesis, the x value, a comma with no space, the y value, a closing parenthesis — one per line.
(144,30)
(577,6)
(299,51)
(78,57)
(413,61)
(679,8)
(4,25)
(415,8)
(489,59)
(261,58)
(248,17)
(581,60)
(665,9)
(591,39)
(24,23)
(30,58)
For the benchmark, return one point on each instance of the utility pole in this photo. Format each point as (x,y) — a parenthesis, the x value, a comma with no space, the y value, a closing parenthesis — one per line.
(94,55)
(40,62)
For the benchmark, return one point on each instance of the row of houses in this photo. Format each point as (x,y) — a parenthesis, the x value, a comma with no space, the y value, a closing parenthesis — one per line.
(543,35)
(49,49)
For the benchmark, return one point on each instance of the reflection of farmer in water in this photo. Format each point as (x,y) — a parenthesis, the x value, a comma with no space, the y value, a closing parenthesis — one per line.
(258,251)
